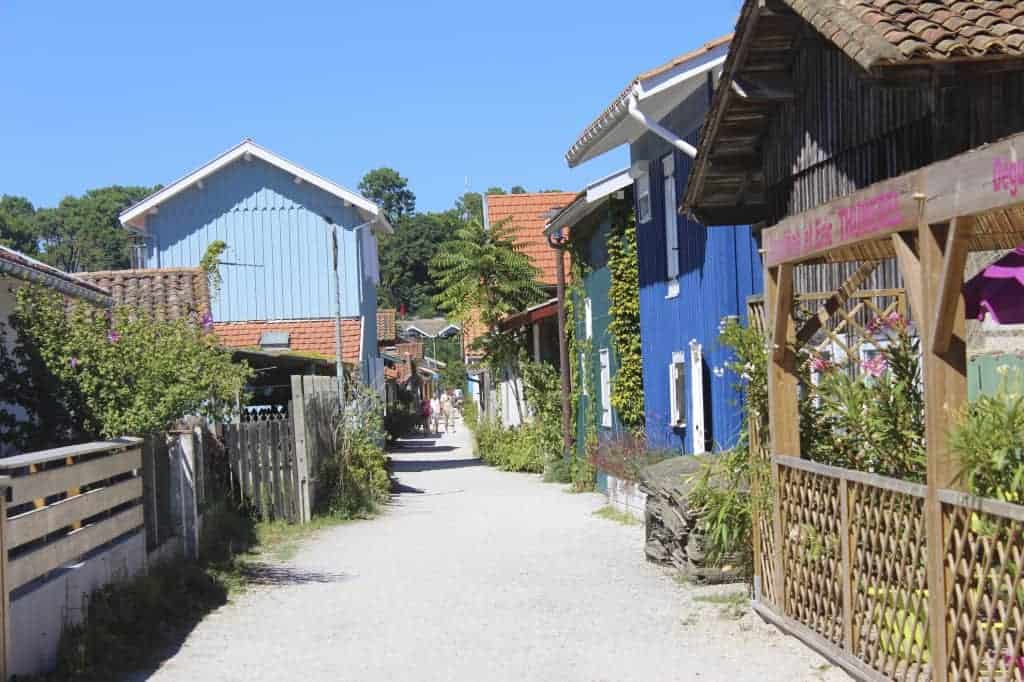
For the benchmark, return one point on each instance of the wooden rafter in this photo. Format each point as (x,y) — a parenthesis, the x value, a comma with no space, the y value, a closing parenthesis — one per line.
(951,283)
(835,302)
(904,244)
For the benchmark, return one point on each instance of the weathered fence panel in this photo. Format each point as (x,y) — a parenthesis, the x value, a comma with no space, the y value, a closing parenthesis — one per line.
(264,470)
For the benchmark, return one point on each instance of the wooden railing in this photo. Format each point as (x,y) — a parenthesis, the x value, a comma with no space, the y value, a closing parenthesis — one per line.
(849,575)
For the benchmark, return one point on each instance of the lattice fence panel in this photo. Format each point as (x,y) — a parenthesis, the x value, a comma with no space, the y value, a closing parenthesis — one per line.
(763,516)
(809,504)
(888,555)
(854,332)
(985,599)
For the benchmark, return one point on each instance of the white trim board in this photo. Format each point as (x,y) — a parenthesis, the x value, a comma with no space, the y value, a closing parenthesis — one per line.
(134,217)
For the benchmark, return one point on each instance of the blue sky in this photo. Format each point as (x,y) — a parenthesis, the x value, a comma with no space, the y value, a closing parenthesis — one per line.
(93,94)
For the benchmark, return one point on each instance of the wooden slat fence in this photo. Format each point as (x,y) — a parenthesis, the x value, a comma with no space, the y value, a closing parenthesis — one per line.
(264,469)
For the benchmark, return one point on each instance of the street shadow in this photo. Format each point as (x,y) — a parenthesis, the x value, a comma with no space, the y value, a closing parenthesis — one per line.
(280,576)
(399,488)
(413,466)
(427,449)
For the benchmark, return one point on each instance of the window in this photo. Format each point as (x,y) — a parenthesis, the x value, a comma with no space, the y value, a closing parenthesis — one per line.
(676,392)
(583,374)
(588,318)
(643,197)
(671,222)
(606,389)
(697,396)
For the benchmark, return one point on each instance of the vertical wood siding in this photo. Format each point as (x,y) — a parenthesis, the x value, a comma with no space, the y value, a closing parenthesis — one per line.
(719,269)
(278,263)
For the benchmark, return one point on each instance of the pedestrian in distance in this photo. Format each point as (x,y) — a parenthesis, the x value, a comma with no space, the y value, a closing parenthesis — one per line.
(435,414)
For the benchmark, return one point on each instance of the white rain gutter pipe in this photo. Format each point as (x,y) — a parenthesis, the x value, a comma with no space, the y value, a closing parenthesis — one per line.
(658,129)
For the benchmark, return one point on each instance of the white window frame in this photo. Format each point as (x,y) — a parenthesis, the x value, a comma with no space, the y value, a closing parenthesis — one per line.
(697,397)
(606,388)
(671,224)
(643,198)
(677,391)
(588,318)
(583,374)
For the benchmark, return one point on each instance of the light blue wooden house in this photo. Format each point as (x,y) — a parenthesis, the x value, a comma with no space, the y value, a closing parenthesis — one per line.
(278,280)
(690,277)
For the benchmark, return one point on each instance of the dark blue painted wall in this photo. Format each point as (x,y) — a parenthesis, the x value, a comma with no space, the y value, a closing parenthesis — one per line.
(719,269)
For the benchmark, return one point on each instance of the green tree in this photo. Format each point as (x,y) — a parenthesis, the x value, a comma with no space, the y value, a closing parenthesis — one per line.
(84,233)
(405,258)
(17,224)
(517,189)
(391,192)
(481,270)
(470,206)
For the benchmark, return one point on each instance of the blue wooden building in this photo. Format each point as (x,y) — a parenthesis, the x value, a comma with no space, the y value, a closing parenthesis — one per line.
(278,221)
(690,277)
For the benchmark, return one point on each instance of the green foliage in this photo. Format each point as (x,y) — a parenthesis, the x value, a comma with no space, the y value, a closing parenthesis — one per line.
(988,441)
(872,419)
(624,297)
(582,474)
(85,373)
(612,514)
(354,482)
(390,191)
(402,419)
(405,257)
(17,225)
(481,269)
(626,456)
(210,264)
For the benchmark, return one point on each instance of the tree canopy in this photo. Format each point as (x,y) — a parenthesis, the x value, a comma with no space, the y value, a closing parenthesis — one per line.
(391,192)
(79,234)
(405,258)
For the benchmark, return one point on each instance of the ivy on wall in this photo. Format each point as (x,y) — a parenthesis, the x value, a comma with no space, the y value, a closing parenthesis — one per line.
(581,374)
(624,308)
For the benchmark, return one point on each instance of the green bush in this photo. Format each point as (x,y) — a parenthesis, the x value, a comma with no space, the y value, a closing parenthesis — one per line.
(988,442)
(354,482)
(81,372)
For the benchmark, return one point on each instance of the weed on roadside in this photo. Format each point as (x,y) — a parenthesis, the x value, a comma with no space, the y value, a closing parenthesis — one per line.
(612,514)
(731,605)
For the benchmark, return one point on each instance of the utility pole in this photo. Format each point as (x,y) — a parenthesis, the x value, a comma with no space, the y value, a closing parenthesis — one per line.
(337,315)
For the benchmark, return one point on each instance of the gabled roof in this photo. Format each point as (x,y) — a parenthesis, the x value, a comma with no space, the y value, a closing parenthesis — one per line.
(28,269)
(528,215)
(135,216)
(162,293)
(588,200)
(658,90)
(429,327)
(726,182)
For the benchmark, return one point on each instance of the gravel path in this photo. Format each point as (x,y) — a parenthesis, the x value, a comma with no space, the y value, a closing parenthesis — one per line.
(481,576)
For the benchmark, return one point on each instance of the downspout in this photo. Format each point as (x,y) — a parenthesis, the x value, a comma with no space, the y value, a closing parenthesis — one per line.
(658,129)
(558,244)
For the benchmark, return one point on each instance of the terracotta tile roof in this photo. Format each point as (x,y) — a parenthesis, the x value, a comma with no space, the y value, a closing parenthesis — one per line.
(413,348)
(305,336)
(528,214)
(164,293)
(386,328)
(887,32)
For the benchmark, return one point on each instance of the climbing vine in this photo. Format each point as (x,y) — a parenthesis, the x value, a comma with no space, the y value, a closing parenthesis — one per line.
(624,308)
(581,363)
(210,264)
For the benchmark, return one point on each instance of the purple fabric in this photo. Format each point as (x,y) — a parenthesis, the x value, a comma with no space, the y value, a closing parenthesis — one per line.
(998,290)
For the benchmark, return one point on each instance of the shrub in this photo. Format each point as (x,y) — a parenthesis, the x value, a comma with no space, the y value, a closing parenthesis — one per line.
(625,456)
(354,482)
(987,442)
(81,372)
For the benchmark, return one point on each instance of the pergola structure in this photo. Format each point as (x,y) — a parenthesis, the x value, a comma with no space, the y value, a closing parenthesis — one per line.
(907,554)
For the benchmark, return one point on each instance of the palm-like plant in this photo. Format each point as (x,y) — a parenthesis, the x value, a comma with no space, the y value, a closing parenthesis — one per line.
(480,272)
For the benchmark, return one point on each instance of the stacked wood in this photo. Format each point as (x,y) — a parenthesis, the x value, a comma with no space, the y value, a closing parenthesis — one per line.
(674,537)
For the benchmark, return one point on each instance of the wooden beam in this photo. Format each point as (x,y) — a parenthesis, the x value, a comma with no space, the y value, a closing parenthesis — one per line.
(763,88)
(905,246)
(945,392)
(951,284)
(782,308)
(837,301)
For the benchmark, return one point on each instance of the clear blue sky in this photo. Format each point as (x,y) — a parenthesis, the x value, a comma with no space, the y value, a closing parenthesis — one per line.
(113,92)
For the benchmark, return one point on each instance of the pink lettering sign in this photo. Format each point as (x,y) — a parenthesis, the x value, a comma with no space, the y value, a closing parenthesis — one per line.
(1007,175)
(870,215)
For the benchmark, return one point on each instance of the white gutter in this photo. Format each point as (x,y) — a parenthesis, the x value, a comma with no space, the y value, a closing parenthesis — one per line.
(658,129)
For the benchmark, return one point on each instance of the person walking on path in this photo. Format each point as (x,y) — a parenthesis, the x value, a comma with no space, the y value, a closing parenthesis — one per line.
(435,414)
(446,411)
(425,415)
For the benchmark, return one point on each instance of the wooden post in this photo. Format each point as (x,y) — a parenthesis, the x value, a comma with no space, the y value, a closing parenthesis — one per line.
(846,565)
(945,391)
(783,410)
(301,460)
(5,593)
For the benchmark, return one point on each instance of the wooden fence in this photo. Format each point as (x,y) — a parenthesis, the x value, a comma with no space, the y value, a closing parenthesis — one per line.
(61,505)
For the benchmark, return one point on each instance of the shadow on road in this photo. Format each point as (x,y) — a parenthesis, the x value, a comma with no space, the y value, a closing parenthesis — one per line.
(277,576)
(412,466)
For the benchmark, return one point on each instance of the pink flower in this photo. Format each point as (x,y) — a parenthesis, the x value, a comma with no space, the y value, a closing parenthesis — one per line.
(207,322)
(113,336)
(893,321)
(820,364)
(874,367)
(73,362)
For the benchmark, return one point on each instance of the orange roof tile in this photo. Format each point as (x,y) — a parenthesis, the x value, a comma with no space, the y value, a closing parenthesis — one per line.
(528,215)
(307,336)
